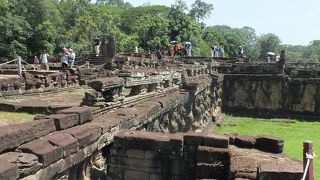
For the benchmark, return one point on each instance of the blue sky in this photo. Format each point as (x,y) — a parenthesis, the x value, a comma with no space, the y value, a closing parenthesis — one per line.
(294,21)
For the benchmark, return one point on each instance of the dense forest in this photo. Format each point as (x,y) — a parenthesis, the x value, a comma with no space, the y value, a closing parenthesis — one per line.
(29,26)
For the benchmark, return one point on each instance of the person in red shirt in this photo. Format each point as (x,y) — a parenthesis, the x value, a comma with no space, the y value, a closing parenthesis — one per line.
(171,51)
(177,48)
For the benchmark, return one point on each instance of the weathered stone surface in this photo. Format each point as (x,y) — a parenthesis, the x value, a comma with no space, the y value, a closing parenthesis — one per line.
(218,141)
(85,113)
(212,162)
(196,139)
(134,153)
(269,144)
(81,133)
(288,169)
(244,163)
(163,143)
(46,152)
(146,110)
(245,141)
(133,175)
(105,83)
(64,121)
(67,142)
(27,163)
(11,136)
(8,170)
(42,127)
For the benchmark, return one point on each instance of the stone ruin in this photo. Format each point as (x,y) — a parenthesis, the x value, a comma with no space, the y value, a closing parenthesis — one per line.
(151,119)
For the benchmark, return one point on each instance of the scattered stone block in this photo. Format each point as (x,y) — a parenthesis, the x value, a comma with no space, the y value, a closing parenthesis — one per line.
(269,144)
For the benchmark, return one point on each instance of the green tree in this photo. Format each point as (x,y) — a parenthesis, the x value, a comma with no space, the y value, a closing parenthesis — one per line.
(153,32)
(201,10)
(268,43)
(14,31)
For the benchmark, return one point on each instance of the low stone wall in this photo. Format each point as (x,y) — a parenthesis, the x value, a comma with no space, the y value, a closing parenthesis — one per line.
(148,155)
(271,95)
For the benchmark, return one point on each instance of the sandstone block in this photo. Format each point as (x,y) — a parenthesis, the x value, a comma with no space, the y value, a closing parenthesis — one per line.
(134,175)
(46,152)
(212,155)
(288,169)
(218,141)
(42,127)
(26,163)
(136,140)
(135,162)
(11,136)
(82,134)
(67,142)
(211,171)
(195,139)
(84,113)
(8,170)
(245,141)
(269,144)
(134,153)
(64,121)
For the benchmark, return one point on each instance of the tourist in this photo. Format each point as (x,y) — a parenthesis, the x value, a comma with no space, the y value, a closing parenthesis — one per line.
(171,51)
(137,49)
(35,60)
(44,60)
(240,51)
(177,49)
(64,59)
(72,57)
(189,50)
(212,51)
(97,44)
(222,52)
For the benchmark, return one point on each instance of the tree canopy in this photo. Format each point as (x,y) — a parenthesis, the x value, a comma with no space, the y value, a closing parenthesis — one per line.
(29,26)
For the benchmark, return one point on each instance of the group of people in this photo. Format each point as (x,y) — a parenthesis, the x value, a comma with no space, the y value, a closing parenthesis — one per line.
(44,56)
(175,49)
(216,51)
(68,58)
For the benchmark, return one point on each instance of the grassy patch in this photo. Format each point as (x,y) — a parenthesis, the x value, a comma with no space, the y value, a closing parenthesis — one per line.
(293,133)
(14,117)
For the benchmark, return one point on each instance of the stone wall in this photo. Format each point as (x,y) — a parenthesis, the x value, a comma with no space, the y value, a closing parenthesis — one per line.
(74,142)
(149,155)
(270,95)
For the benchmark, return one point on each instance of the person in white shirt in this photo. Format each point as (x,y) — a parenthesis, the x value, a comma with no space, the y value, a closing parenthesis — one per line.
(72,57)
(44,59)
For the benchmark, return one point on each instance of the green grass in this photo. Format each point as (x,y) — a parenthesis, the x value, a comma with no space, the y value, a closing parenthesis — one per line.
(293,134)
(14,117)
